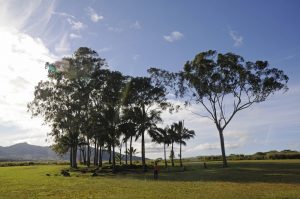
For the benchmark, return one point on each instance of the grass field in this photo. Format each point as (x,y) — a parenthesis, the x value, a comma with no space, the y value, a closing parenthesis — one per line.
(243,179)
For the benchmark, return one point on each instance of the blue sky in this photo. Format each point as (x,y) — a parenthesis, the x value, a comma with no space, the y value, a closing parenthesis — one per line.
(134,35)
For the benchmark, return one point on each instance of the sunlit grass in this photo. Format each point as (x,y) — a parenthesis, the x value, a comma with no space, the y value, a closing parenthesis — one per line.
(243,179)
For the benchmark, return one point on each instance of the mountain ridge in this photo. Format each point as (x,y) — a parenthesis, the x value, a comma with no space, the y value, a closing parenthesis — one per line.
(24,151)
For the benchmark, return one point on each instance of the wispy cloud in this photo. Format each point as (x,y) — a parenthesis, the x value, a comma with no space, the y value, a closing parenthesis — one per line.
(63,14)
(115,29)
(135,57)
(63,47)
(238,39)
(93,15)
(105,49)
(136,25)
(76,25)
(173,36)
(75,36)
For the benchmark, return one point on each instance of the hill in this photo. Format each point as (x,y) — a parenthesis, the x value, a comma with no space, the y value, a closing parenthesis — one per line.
(25,151)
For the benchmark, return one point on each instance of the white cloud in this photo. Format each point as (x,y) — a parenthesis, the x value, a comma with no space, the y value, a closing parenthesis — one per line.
(136,25)
(173,36)
(22,67)
(238,39)
(76,25)
(93,15)
(75,36)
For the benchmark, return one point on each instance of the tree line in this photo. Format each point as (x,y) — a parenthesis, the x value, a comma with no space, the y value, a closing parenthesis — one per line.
(85,103)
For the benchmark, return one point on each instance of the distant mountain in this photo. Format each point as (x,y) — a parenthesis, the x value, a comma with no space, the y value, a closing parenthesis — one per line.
(25,151)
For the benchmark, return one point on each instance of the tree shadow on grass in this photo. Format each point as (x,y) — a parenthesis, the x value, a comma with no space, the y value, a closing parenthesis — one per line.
(239,172)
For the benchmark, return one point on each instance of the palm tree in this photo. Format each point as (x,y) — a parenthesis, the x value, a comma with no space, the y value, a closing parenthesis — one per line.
(148,100)
(173,138)
(128,127)
(161,136)
(181,135)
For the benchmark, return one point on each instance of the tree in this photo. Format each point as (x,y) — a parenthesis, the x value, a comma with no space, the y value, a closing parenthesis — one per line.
(146,100)
(161,136)
(173,138)
(214,80)
(62,99)
(181,135)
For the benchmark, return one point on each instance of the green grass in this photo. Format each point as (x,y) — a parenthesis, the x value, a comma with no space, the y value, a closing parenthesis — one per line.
(243,179)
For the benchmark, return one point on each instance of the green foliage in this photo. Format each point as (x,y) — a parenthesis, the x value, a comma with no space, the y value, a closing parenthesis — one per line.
(212,78)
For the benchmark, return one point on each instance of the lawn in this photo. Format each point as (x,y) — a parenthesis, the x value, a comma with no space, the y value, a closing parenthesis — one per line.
(243,179)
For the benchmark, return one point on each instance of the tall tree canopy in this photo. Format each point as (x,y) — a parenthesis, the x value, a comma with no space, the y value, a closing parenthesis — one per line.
(63,99)
(217,80)
(147,101)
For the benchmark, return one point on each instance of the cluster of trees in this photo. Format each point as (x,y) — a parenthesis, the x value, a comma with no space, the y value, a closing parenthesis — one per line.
(85,103)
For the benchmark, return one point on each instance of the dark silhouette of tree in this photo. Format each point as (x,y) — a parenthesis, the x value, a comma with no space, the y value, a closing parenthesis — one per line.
(161,136)
(214,80)
(173,138)
(182,134)
(147,100)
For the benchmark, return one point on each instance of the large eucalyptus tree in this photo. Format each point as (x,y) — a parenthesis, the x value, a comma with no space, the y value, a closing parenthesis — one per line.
(217,80)
(62,99)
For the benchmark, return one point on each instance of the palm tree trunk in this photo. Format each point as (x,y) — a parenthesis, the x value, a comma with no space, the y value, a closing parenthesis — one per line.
(130,154)
(120,155)
(172,155)
(223,147)
(143,151)
(113,157)
(100,156)
(126,152)
(165,155)
(109,151)
(180,154)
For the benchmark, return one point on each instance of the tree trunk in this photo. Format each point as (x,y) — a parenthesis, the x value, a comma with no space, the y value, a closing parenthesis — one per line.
(120,155)
(74,157)
(71,156)
(172,155)
(143,151)
(95,153)
(84,155)
(131,149)
(223,148)
(113,157)
(165,155)
(100,156)
(109,151)
(80,156)
(88,153)
(126,152)
(180,154)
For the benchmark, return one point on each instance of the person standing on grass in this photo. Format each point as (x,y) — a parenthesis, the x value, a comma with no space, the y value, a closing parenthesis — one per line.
(155,171)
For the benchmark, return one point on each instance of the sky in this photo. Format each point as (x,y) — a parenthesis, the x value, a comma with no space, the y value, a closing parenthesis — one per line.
(135,35)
